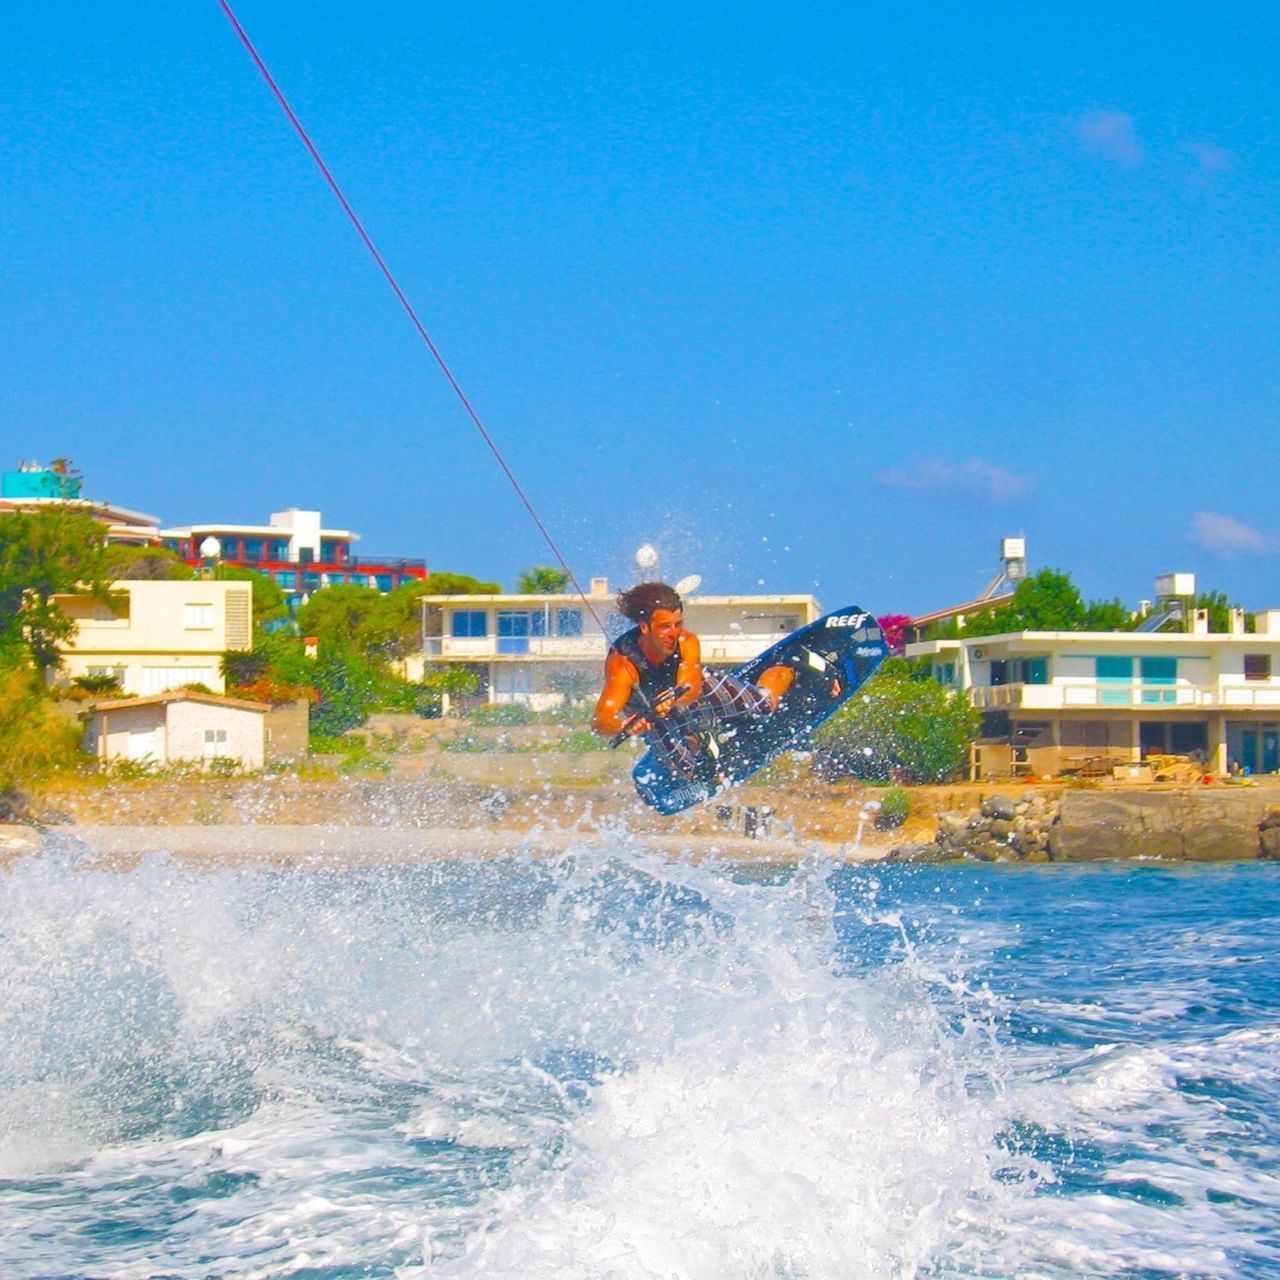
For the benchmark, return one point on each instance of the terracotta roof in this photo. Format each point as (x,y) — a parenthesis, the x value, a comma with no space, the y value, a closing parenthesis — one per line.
(180,695)
(973,606)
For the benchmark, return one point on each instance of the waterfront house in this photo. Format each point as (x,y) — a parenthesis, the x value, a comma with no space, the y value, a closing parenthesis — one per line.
(1087,701)
(540,649)
(295,550)
(151,636)
(177,726)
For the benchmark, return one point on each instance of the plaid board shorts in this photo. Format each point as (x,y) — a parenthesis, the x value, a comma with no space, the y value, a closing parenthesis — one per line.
(723,698)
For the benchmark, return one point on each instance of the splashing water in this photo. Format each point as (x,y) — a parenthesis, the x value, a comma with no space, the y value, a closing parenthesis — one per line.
(612,1065)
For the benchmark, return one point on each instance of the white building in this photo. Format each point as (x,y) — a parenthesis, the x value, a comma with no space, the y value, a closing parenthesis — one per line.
(1063,700)
(178,726)
(157,635)
(533,648)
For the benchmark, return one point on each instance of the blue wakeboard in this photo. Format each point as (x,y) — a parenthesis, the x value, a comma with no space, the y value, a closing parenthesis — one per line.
(832,658)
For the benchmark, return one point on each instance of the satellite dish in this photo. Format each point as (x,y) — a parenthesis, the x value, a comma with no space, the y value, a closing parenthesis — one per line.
(646,556)
(688,585)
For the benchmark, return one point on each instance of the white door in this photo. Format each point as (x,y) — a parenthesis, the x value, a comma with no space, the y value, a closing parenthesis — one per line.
(512,683)
(144,744)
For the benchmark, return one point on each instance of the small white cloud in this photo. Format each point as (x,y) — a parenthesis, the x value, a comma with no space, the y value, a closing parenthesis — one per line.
(937,475)
(1111,134)
(1210,158)
(1228,536)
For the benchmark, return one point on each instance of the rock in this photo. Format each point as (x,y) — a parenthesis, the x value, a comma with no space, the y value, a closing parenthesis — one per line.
(988,851)
(918,853)
(1201,825)
(1269,842)
(1001,830)
(998,807)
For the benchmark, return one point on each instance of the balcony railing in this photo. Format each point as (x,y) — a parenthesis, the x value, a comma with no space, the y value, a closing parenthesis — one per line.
(715,649)
(1062,697)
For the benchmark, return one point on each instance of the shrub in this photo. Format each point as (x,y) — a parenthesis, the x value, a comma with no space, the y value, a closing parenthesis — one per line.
(581,742)
(900,729)
(34,739)
(895,806)
(502,713)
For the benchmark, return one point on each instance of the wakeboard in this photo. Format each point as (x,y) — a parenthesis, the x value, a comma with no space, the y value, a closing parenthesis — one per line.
(832,659)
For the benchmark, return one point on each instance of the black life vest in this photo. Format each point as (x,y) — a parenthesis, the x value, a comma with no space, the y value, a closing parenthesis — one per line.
(654,680)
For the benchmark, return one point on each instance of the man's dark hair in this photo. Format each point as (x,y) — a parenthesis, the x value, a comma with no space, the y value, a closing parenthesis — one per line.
(639,603)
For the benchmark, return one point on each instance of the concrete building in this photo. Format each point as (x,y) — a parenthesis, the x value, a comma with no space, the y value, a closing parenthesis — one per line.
(1057,701)
(152,636)
(294,549)
(33,486)
(178,726)
(535,648)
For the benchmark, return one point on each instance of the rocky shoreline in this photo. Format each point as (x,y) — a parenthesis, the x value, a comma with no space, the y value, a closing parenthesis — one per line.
(1181,825)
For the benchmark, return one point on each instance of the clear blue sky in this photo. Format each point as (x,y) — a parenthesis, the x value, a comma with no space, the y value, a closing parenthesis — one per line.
(818,297)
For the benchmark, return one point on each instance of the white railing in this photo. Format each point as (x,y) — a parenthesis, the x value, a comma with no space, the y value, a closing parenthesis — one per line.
(715,648)
(1055,697)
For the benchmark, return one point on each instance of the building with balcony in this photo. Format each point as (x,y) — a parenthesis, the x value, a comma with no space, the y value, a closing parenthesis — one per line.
(1060,701)
(152,636)
(34,486)
(295,550)
(535,650)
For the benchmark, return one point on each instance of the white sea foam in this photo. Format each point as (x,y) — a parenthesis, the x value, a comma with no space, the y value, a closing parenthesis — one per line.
(607,1065)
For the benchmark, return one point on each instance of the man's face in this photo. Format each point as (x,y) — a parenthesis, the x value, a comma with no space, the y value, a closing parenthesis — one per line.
(663,629)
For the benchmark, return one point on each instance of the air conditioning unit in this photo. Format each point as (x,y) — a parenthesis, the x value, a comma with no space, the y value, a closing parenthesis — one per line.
(978,654)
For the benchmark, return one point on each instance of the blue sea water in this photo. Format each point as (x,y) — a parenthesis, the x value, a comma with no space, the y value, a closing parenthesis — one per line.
(614,1065)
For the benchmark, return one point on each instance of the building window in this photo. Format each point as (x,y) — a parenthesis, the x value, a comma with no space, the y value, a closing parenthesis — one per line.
(215,742)
(333,551)
(1157,672)
(1033,670)
(945,673)
(568,622)
(277,549)
(287,578)
(253,549)
(1257,666)
(470,624)
(1116,673)
(198,617)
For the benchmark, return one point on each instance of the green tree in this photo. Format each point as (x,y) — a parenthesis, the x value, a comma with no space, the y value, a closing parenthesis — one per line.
(269,603)
(126,563)
(34,738)
(1219,610)
(379,628)
(901,728)
(348,688)
(450,584)
(54,551)
(542,580)
(1046,601)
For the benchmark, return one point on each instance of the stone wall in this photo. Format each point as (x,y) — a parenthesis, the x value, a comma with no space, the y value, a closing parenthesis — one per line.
(1192,825)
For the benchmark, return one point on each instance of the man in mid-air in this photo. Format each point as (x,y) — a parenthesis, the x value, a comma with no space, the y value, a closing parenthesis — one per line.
(655,684)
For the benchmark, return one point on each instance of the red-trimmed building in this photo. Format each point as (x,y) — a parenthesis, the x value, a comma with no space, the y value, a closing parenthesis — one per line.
(296,551)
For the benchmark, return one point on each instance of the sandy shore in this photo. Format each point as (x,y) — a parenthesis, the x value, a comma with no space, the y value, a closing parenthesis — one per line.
(365,821)
(300,846)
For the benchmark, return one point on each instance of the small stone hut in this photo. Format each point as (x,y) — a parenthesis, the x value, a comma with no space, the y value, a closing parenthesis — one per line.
(180,725)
